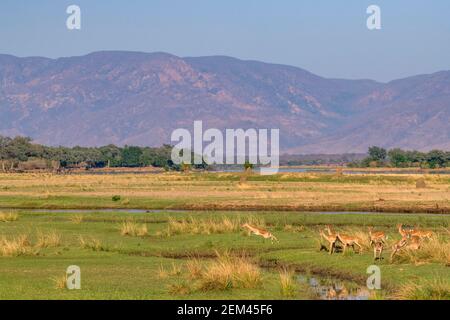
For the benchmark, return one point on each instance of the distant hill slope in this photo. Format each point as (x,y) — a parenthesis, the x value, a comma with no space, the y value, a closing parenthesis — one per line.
(139,98)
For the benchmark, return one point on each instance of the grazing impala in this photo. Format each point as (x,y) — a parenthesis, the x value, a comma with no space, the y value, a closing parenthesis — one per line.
(345,239)
(331,240)
(411,243)
(378,236)
(259,232)
(349,241)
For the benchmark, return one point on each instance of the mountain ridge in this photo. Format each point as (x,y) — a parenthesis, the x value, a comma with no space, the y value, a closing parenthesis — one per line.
(138,98)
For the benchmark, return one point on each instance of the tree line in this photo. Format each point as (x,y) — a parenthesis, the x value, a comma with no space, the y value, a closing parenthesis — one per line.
(22,152)
(398,158)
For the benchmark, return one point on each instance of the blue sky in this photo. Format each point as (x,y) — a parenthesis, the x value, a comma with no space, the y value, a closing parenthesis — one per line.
(327,37)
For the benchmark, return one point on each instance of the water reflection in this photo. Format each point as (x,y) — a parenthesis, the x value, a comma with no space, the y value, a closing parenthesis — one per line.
(326,289)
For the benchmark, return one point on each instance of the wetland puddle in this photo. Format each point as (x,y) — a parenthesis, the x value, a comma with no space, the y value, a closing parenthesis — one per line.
(334,289)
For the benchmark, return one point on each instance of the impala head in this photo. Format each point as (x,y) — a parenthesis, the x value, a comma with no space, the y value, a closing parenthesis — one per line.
(245,225)
(370,229)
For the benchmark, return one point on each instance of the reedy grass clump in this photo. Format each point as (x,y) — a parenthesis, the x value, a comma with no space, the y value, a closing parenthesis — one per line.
(436,289)
(133,229)
(8,216)
(436,250)
(227,272)
(208,226)
(181,287)
(15,247)
(48,240)
(77,219)
(294,229)
(288,286)
(164,273)
(60,282)
(92,244)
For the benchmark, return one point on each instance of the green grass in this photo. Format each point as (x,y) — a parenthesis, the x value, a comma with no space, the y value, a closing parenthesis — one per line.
(124,267)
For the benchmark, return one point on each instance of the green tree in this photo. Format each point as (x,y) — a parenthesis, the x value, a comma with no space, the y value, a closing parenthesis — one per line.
(131,156)
(377,153)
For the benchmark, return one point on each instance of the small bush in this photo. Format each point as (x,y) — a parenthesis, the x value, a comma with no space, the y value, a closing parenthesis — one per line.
(420,184)
(115,198)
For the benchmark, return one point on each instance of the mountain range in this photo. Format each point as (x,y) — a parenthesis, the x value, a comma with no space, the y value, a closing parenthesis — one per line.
(138,98)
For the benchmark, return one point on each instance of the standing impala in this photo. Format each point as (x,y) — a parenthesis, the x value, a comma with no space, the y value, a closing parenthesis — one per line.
(346,240)
(378,250)
(378,236)
(404,233)
(260,232)
(331,240)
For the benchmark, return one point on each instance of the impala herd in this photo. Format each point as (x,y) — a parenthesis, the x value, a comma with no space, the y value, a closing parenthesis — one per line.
(412,239)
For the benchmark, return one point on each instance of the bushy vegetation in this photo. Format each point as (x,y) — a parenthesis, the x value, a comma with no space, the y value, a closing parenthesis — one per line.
(21,153)
(398,158)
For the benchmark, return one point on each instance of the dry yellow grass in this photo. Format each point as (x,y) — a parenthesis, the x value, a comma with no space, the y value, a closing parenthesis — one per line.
(130,228)
(60,282)
(436,250)
(91,243)
(304,191)
(287,284)
(194,268)
(295,229)
(14,247)
(227,272)
(437,289)
(8,216)
(48,240)
(77,219)
(174,271)
(209,226)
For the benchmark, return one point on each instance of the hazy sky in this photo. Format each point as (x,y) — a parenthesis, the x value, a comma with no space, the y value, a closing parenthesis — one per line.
(327,37)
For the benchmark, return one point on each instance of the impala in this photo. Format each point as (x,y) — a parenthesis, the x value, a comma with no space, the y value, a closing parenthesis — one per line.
(331,240)
(349,241)
(378,250)
(422,234)
(411,243)
(259,232)
(378,236)
(404,233)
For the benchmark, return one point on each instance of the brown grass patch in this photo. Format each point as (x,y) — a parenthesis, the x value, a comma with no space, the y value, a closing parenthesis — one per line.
(227,272)
(288,285)
(8,216)
(14,247)
(436,250)
(133,229)
(436,289)
(48,240)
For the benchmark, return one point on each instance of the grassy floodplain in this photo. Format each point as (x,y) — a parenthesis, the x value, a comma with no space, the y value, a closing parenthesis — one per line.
(204,253)
(229,191)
